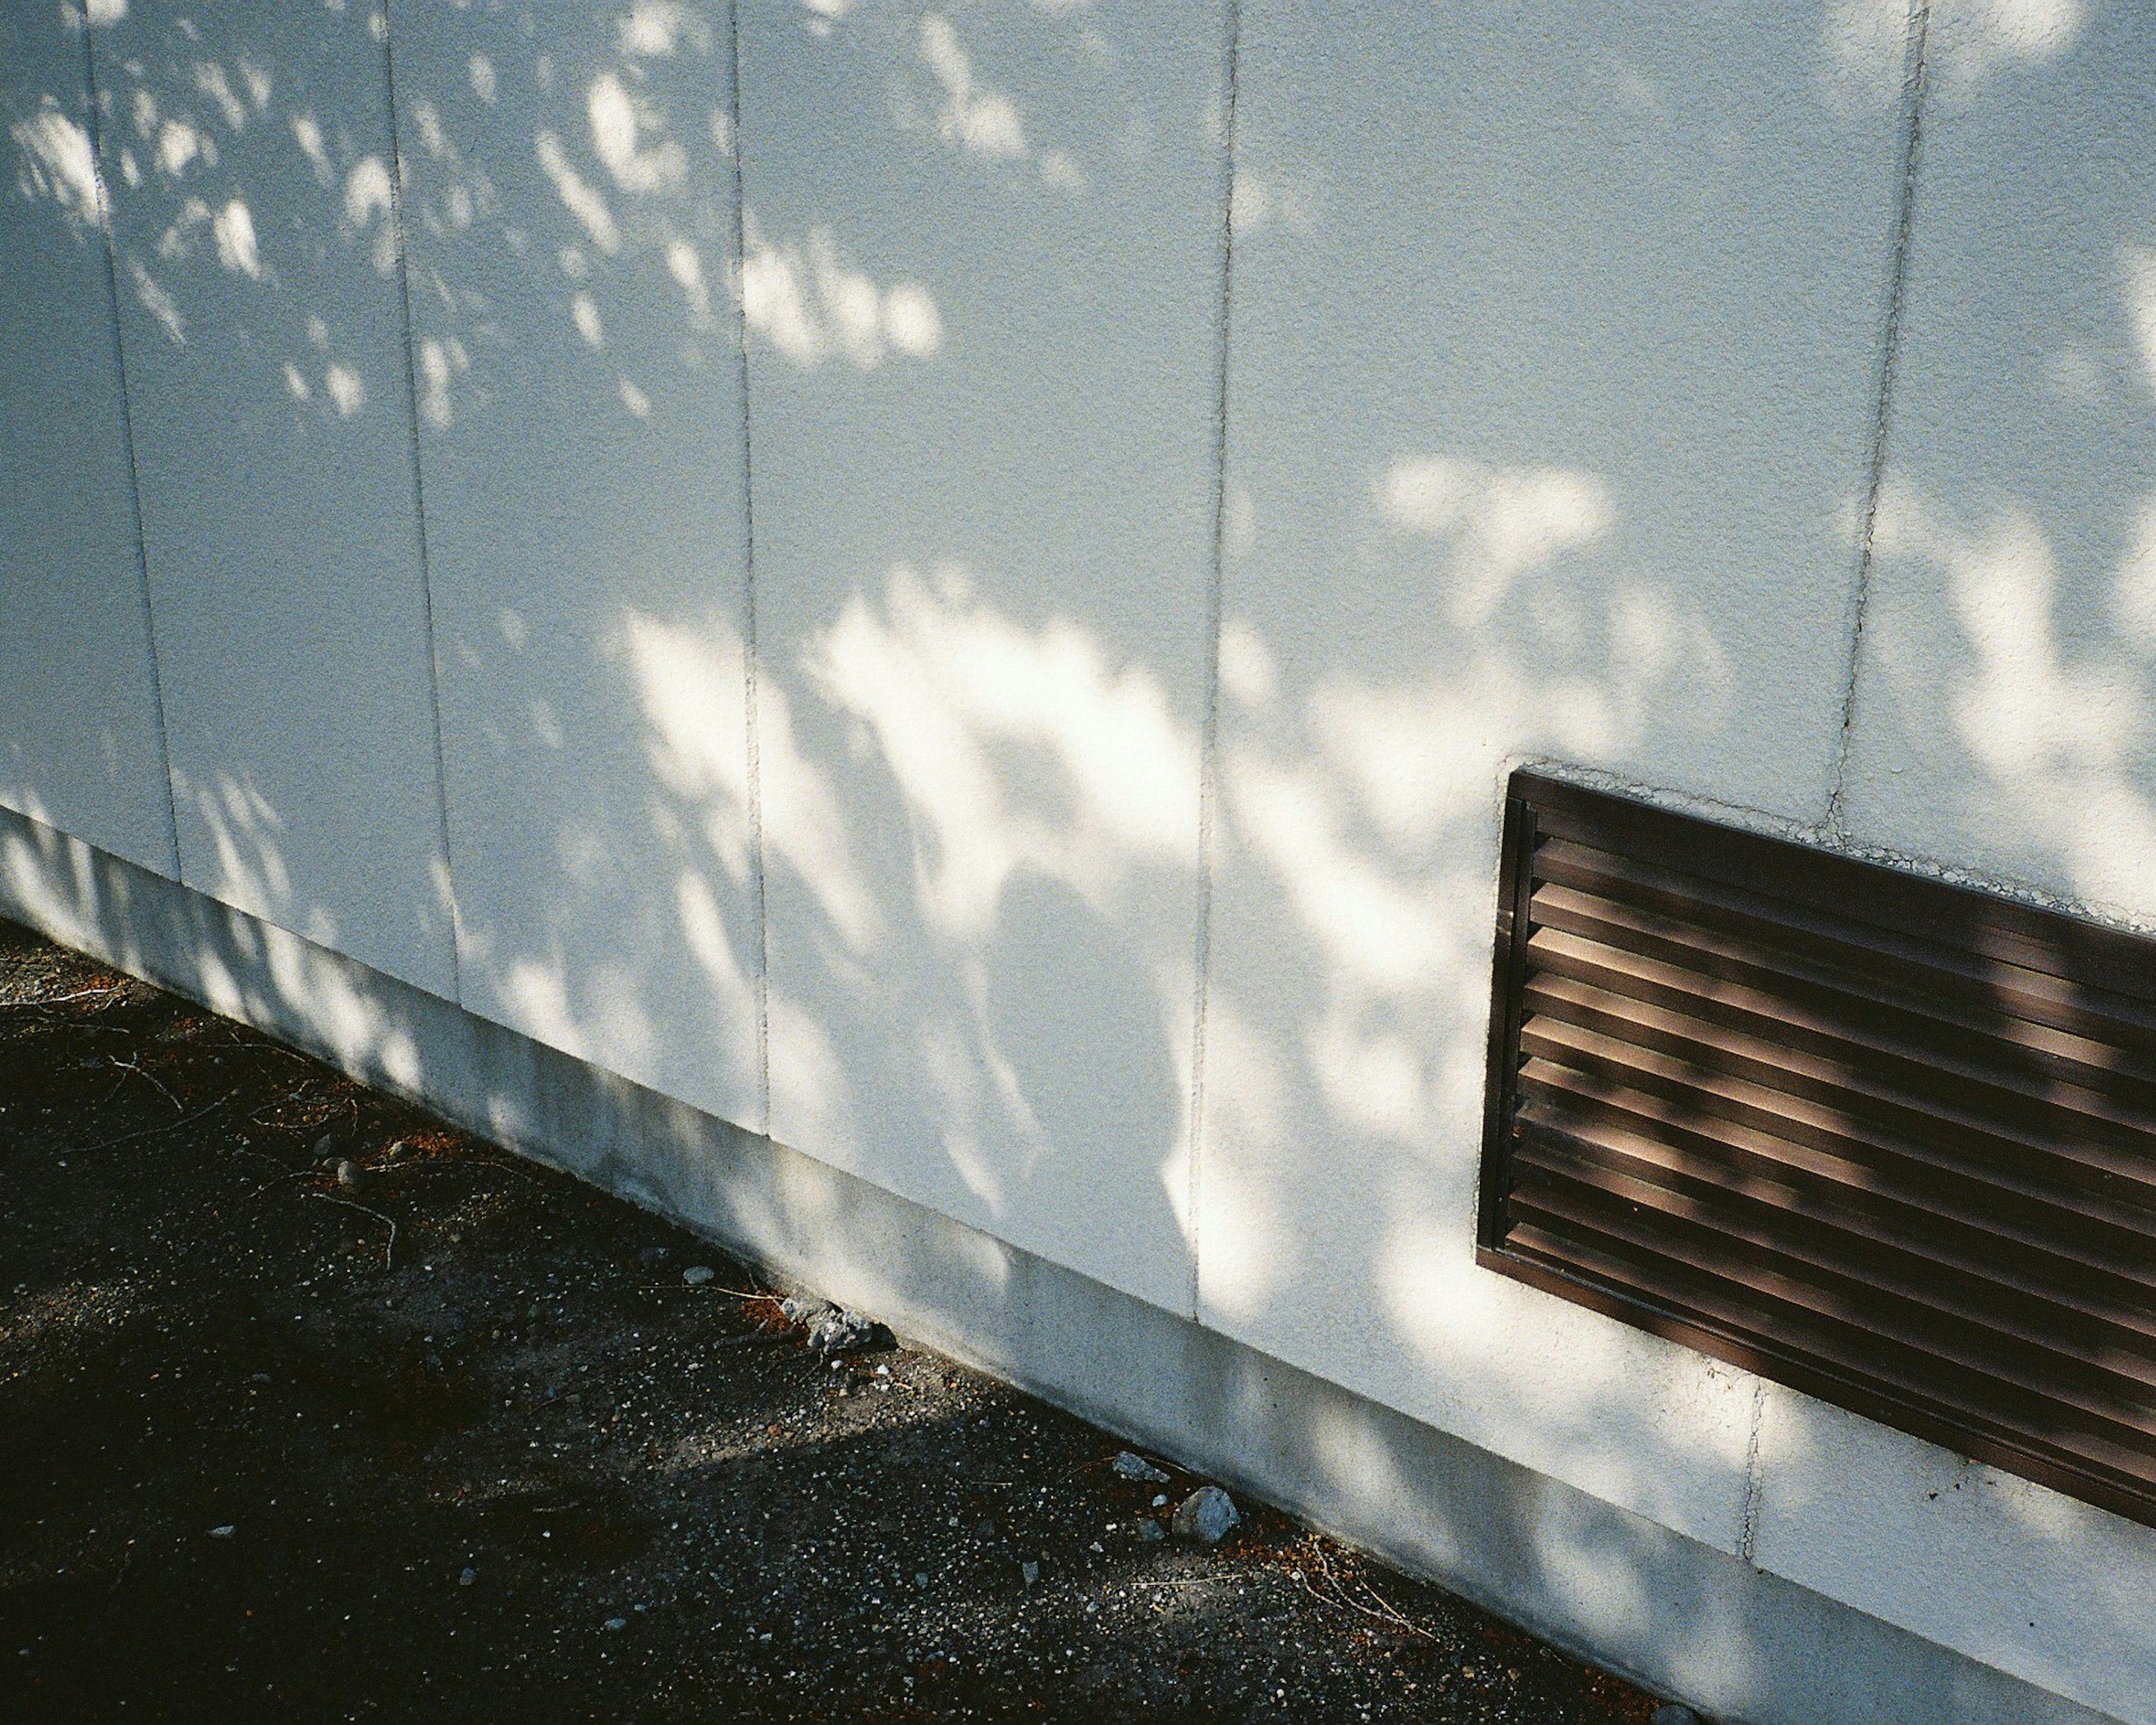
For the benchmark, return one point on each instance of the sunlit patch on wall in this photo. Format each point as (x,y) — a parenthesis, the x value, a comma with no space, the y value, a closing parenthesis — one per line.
(811,305)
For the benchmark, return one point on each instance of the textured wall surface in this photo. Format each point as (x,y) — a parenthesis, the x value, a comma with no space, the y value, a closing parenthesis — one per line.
(981,290)
(2002,724)
(247,151)
(1549,385)
(569,209)
(2003,718)
(958,584)
(80,743)
(2017,1576)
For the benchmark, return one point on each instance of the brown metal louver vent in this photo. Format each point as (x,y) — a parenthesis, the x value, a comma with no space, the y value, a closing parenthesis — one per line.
(1886,1140)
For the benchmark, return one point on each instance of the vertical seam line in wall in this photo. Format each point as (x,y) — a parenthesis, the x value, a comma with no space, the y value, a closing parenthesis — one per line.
(127,439)
(750,735)
(419,503)
(1209,732)
(1747,1533)
(1915,69)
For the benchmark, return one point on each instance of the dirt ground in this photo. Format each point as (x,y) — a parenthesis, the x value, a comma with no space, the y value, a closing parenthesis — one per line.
(454,1437)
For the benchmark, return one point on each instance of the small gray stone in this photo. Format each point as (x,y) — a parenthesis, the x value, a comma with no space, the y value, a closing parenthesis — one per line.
(615,1623)
(1206,1515)
(1127,1466)
(838,1333)
(1030,1571)
(349,1175)
(326,1147)
(1149,1531)
(224,1533)
(802,1309)
(1676,1712)
(696,1274)
(468,1576)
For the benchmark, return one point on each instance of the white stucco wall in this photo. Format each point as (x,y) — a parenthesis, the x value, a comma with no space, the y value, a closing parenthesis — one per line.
(2002,717)
(982,285)
(1550,381)
(2001,726)
(798,529)
(569,211)
(80,742)
(2020,1576)
(248,156)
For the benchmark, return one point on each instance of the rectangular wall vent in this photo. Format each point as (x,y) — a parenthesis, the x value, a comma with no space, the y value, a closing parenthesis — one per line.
(1889,1141)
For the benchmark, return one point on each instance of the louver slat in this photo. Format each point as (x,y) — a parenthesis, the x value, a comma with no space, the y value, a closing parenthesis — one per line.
(1888,1140)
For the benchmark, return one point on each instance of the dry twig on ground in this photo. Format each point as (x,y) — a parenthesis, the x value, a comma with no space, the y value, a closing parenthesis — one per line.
(151,1131)
(1380,1609)
(389,1251)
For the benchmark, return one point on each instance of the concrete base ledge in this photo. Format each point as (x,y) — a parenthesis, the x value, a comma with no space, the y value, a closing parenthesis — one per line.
(1678,1617)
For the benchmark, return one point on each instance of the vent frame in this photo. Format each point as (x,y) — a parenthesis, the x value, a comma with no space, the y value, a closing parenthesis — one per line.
(1955,1374)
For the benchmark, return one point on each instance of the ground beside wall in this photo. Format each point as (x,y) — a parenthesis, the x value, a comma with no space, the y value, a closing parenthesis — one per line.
(455,1437)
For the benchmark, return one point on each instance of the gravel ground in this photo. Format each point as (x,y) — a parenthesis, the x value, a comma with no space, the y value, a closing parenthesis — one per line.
(259,1459)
